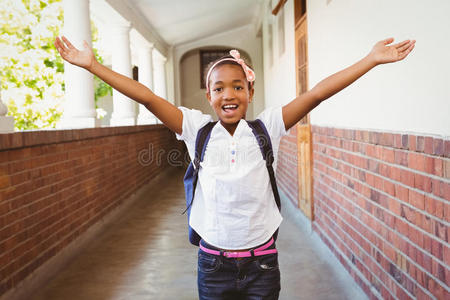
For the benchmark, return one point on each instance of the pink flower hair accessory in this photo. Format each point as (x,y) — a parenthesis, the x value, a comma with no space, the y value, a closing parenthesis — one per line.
(249,73)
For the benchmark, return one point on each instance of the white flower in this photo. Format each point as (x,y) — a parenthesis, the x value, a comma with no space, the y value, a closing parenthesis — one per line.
(101,113)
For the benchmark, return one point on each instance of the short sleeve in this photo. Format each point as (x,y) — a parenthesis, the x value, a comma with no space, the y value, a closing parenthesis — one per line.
(272,118)
(193,120)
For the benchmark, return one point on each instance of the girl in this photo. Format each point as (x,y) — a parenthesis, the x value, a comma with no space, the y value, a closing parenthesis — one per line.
(234,211)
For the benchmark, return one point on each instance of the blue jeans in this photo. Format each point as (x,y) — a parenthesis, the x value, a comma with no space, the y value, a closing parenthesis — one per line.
(251,278)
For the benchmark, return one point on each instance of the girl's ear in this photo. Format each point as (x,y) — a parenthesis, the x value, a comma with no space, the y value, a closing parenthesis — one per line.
(208,97)
(251,92)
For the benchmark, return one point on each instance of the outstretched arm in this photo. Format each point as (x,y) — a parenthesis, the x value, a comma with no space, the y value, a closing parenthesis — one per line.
(381,53)
(168,113)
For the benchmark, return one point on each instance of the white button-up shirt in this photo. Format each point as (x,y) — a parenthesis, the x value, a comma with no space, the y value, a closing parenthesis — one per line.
(234,206)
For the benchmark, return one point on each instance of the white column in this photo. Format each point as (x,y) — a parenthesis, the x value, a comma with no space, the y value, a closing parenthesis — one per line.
(79,108)
(145,57)
(6,122)
(123,107)
(159,73)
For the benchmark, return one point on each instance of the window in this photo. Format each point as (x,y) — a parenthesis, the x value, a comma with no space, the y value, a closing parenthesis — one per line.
(136,73)
(206,57)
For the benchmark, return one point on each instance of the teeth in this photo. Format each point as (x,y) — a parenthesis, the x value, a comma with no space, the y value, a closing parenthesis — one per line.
(230,106)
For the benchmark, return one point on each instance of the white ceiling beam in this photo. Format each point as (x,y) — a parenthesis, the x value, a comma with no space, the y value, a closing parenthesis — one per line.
(119,11)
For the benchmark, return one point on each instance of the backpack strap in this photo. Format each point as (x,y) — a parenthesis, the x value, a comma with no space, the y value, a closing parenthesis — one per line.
(201,141)
(265,145)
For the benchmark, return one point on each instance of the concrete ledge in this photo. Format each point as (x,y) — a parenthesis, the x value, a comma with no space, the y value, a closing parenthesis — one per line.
(43,137)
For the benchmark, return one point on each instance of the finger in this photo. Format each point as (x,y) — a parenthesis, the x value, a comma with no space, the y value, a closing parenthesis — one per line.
(403,46)
(388,41)
(62,47)
(85,44)
(406,52)
(409,47)
(69,44)
(58,45)
(400,44)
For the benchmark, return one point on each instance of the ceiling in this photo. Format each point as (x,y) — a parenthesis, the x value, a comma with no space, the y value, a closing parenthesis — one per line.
(181,21)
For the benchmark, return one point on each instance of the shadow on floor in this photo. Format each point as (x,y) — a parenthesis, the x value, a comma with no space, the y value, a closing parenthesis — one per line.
(146,255)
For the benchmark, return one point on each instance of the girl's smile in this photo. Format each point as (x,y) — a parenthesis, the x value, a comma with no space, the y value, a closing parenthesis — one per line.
(229,95)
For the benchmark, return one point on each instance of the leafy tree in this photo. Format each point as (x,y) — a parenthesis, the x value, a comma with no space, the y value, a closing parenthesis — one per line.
(31,71)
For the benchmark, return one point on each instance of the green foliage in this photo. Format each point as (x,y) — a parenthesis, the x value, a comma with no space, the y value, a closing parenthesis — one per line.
(31,70)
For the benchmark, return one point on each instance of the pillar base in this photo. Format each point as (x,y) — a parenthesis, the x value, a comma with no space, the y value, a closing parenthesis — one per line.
(128,121)
(6,124)
(147,120)
(76,123)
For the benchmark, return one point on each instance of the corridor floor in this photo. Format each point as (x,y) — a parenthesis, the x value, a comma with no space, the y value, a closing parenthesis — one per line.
(146,255)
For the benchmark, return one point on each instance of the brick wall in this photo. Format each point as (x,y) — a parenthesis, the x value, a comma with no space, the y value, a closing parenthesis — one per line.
(54,185)
(287,175)
(382,206)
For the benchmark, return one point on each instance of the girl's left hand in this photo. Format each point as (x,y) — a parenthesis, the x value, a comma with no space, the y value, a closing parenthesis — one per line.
(382,53)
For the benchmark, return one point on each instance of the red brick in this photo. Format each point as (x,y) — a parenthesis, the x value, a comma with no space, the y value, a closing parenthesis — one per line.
(394,206)
(436,249)
(389,187)
(419,181)
(439,212)
(429,165)
(438,146)
(446,168)
(412,143)
(446,255)
(407,177)
(387,139)
(436,289)
(441,231)
(402,193)
(388,155)
(401,227)
(397,141)
(447,148)
(417,199)
(416,161)
(420,143)
(437,187)
(447,212)
(438,167)
(401,157)
(396,173)
(428,148)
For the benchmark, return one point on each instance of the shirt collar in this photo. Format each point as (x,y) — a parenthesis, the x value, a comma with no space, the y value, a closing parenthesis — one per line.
(237,131)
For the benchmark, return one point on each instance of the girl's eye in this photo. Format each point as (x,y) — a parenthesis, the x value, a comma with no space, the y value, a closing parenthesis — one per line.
(238,88)
(217,89)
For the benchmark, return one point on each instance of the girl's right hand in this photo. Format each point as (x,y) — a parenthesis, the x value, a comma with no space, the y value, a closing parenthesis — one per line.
(68,52)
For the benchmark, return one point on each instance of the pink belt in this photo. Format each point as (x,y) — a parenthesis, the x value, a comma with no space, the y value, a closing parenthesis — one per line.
(254,252)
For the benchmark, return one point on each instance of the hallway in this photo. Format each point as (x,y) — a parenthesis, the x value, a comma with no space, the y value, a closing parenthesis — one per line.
(146,255)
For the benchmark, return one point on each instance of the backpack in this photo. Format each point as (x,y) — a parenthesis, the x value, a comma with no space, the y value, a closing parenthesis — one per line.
(191,176)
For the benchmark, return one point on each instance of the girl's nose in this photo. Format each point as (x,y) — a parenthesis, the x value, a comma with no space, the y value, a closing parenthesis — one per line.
(228,93)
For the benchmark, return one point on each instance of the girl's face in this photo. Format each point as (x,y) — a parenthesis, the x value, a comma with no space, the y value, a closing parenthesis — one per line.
(229,95)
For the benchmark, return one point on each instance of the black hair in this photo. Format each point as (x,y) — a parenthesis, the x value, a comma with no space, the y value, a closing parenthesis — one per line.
(226,62)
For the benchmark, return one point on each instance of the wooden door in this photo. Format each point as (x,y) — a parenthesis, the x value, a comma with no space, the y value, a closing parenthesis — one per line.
(304,145)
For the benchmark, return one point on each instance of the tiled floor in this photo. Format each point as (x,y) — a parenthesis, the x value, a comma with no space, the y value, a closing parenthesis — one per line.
(146,255)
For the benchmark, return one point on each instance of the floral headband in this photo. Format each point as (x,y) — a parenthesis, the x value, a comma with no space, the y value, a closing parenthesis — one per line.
(249,74)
